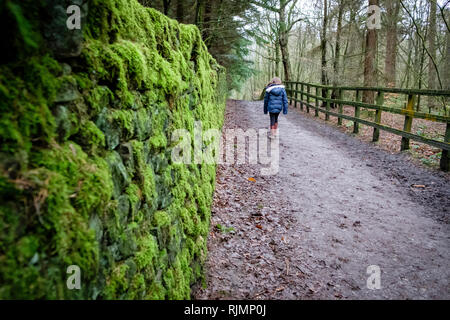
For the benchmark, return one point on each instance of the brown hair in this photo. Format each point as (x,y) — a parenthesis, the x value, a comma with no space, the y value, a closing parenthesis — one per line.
(276,81)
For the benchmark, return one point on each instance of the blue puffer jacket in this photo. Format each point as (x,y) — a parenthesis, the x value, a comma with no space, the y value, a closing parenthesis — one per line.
(276,100)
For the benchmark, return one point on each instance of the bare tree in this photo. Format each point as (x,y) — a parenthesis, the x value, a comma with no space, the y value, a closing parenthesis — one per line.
(287,19)
(337,48)
(392,9)
(432,45)
(370,72)
(447,62)
(323,43)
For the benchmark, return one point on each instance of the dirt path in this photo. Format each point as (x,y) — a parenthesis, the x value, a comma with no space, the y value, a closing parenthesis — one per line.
(337,206)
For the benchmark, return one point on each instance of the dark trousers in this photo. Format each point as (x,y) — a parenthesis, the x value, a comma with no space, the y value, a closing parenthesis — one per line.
(274,119)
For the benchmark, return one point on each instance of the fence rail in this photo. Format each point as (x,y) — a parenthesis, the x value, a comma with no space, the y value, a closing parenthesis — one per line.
(300,92)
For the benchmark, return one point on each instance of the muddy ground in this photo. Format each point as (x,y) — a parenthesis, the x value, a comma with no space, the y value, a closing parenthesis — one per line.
(337,206)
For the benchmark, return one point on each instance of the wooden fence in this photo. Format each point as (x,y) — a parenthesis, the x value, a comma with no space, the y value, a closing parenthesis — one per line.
(310,95)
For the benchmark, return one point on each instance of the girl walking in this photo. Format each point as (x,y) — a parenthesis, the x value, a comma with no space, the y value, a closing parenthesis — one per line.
(275,101)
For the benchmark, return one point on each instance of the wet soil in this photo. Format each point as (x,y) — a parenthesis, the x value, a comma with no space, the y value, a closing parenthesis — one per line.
(337,206)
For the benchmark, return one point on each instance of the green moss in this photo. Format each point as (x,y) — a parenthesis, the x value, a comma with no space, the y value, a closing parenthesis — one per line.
(25,103)
(88,178)
(85,170)
(148,252)
(161,219)
(92,136)
(124,120)
(135,196)
(156,291)
(117,284)
(97,98)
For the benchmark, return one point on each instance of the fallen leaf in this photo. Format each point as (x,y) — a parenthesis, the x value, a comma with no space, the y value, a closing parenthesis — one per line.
(259,226)
(252,179)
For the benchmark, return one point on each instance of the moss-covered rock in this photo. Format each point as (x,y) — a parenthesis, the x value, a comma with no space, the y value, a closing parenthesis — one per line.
(86,176)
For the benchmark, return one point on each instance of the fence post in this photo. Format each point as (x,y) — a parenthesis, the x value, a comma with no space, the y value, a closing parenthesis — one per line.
(289,90)
(445,159)
(327,115)
(301,96)
(316,114)
(341,106)
(296,95)
(408,122)
(308,90)
(379,102)
(358,98)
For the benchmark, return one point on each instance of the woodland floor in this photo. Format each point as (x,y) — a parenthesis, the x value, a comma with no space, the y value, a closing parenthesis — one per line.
(337,206)
(421,153)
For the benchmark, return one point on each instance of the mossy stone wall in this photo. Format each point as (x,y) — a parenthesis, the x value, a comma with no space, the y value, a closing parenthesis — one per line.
(86,176)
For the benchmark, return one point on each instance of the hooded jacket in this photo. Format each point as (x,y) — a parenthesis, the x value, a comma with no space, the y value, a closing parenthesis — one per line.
(275,99)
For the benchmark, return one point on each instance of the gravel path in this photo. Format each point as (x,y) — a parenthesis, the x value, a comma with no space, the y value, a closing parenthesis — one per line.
(337,206)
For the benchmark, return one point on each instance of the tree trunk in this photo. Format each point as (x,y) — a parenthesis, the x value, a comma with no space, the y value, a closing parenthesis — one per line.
(337,52)
(285,58)
(447,63)
(432,51)
(207,25)
(370,72)
(350,58)
(277,57)
(271,62)
(409,62)
(166,6)
(432,45)
(323,43)
(420,53)
(180,11)
(393,9)
(299,55)
(284,40)
(199,13)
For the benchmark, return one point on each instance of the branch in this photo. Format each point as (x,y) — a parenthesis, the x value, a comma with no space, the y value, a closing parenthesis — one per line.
(264,6)
(423,43)
(293,23)
(261,55)
(441,9)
